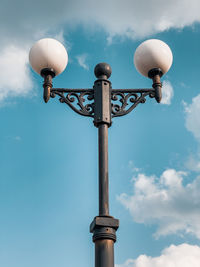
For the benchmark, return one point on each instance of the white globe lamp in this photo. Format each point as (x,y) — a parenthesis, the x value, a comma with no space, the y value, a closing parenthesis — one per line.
(49,58)
(49,54)
(153,54)
(153,58)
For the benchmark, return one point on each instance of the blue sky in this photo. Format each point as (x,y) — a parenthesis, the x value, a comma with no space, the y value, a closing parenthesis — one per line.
(48,159)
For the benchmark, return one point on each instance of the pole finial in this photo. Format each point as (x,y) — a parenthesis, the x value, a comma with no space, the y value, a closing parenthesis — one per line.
(102,71)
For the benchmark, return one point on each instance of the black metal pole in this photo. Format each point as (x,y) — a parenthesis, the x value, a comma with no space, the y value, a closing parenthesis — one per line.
(103,170)
(103,226)
(104,253)
(104,236)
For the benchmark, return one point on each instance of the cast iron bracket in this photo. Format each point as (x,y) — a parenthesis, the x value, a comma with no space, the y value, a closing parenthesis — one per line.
(80,100)
(123,101)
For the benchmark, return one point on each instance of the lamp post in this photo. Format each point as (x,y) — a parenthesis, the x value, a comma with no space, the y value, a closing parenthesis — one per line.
(152,58)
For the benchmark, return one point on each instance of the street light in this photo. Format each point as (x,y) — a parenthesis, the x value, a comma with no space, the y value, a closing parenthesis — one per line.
(152,58)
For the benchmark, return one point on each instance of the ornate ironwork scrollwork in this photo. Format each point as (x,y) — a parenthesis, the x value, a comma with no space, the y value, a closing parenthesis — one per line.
(80,100)
(127,99)
(123,101)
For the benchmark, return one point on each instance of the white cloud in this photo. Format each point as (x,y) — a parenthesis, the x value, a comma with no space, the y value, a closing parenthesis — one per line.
(132,167)
(60,37)
(166,201)
(15,79)
(193,162)
(192,121)
(82,61)
(131,18)
(183,255)
(167,93)
(136,18)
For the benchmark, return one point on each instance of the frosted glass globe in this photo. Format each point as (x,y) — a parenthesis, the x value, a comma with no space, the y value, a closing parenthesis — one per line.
(48,53)
(152,54)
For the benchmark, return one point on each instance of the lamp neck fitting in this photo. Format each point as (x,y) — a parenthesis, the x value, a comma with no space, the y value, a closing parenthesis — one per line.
(155,72)
(47,71)
(155,75)
(48,75)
